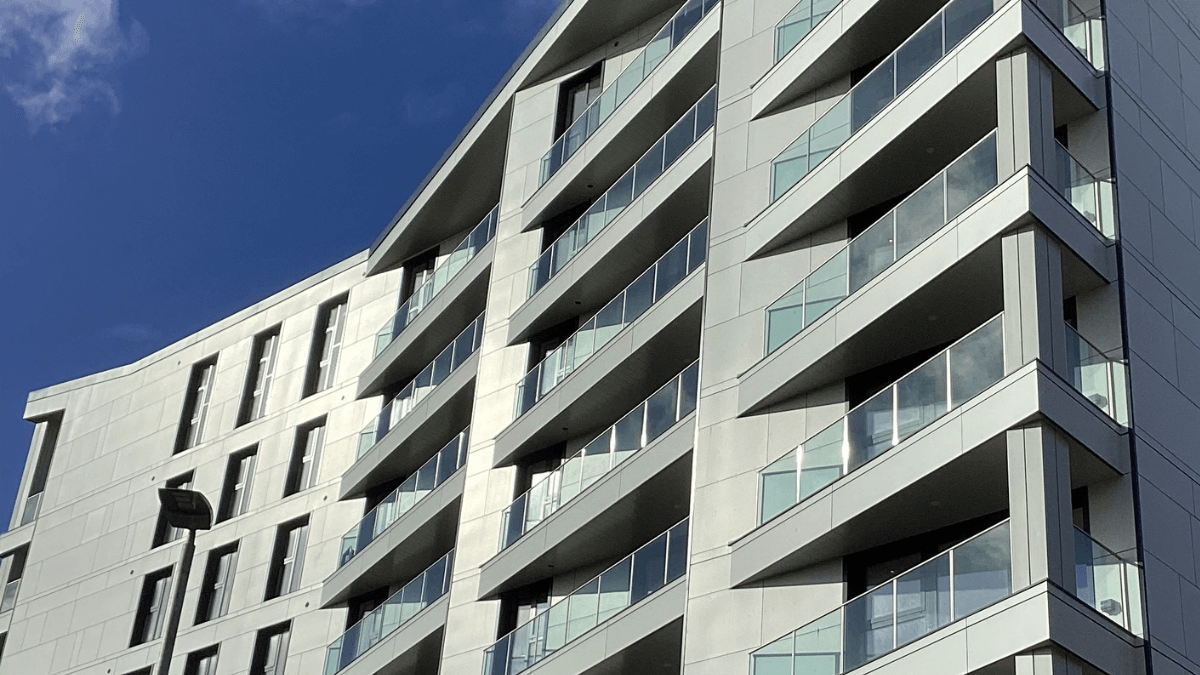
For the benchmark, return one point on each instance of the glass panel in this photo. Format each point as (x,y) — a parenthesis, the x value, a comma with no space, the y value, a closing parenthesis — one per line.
(640,295)
(790,166)
(982,571)
(596,461)
(774,659)
(649,568)
(785,318)
(923,600)
(922,214)
(672,268)
(873,93)
(964,16)
(871,252)
(976,363)
(697,246)
(514,522)
(825,287)
(614,590)
(677,539)
(830,131)
(628,432)
(921,398)
(581,615)
(869,429)
(648,169)
(819,646)
(618,197)
(778,487)
(660,410)
(689,388)
(706,111)
(868,626)
(679,138)
(556,627)
(918,54)
(821,459)
(658,49)
(630,78)
(970,177)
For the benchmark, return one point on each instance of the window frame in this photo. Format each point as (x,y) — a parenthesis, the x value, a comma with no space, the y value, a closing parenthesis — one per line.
(192,666)
(237,489)
(304,470)
(260,376)
(152,606)
(194,417)
(216,589)
(287,559)
(328,337)
(275,638)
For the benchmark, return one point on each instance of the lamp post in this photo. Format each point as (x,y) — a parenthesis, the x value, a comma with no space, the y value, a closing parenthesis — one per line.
(183,510)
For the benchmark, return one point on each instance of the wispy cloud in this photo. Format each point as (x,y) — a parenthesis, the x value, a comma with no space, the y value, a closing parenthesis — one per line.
(129,332)
(52,62)
(280,10)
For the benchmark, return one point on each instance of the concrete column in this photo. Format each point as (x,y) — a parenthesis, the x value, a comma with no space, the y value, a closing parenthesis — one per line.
(1048,661)
(1025,113)
(1034,327)
(1039,498)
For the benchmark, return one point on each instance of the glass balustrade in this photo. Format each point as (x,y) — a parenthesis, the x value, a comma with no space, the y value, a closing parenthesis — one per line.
(890,238)
(9,599)
(464,253)
(623,585)
(1108,583)
(1100,379)
(32,505)
(639,428)
(945,382)
(621,311)
(638,71)
(875,91)
(955,584)
(628,188)
(416,487)
(453,356)
(1091,196)
(1085,30)
(397,610)
(799,23)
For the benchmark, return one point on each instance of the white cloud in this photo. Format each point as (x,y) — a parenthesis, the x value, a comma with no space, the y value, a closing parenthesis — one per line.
(49,73)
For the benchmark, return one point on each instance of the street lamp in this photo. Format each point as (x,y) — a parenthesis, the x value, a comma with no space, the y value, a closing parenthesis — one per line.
(183,510)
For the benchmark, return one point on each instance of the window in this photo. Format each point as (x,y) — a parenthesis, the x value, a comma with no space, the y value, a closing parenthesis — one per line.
(576,94)
(3,637)
(327,346)
(203,662)
(287,561)
(217,587)
(260,376)
(417,271)
(239,477)
(152,607)
(48,428)
(142,671)
(164,533)
(195,405)
(15,562)
(306,457)
(270,650)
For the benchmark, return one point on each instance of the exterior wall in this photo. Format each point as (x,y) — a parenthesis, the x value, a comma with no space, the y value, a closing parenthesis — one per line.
(1155,84)
(91,543)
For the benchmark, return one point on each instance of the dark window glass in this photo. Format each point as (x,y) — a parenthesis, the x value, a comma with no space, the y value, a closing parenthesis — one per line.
(287,562)
(270,651)
(217,587)
(304,472)
(195,405)
(239,479)
(152,607)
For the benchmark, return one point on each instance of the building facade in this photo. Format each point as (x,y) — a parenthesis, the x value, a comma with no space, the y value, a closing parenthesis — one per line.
(731,336)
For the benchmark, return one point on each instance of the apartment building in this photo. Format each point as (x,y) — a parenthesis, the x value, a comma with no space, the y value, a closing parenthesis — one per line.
(730,336)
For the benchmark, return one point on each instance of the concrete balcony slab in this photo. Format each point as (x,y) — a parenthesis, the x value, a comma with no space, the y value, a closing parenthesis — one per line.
(414,647)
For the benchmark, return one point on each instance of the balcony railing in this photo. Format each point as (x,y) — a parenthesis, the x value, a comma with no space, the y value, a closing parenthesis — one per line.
(881,86)
(1091,196)
(621,311)
(623,585)
(799,23)
(9,599)
(1101,380)
(638,71)
(382,621)
(629,187)
(453,356)
(1108,583)
(416,487)
(464,253)
(651,419)
(33,504)
(1085,30)
(893,236)
(957,583)
(945,382)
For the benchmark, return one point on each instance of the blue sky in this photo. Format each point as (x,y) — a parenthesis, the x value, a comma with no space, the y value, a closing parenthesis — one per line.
(175,163)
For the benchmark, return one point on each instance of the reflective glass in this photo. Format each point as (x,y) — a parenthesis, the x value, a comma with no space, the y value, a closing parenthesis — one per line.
(785,318)
(628,432)
(873,93)
(825,287)
(697,245)
(819,646)
(648,169)
(679,138)
(706,111)
(923,600)
(677,542)
(660,410)
(690,384)
(773,659)
(581,614)
(918,54)
(618,197)
(922,214)
(976,363)
(672,268)
(830,131)
(821,460)
(640,295)
(790,166)
(871,253)
(868,626)
(614,590)
(964,16)
(609,322)
(778,487)
(869,429)
(982,571)
(970,177)
(649,568)
(921,397)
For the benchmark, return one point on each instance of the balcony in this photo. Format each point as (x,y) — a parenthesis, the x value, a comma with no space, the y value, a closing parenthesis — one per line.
(638,71)
(635,578)
(879,88)
(1108,583)
(1101,380)
(33,505)
(653,285)
(636,430)
(893,236)
(668,150)
(1092,197)
(799,23)
(1085,29)
(419,485)
(950,379)
(397,611)
(960,582)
